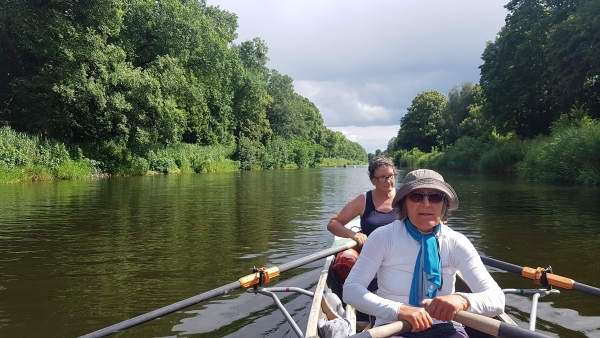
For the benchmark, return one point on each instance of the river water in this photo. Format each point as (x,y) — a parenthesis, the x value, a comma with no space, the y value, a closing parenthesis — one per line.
(81,255)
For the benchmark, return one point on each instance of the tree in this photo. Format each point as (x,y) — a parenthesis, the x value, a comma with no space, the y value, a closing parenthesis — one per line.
(456,110)
(122,78)
(421,127)
(573,53)
(391,146)
(475,125)
(515,76)
(290,114)
(251,97)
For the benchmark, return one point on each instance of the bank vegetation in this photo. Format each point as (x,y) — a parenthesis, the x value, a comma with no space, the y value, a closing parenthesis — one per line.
(127,87)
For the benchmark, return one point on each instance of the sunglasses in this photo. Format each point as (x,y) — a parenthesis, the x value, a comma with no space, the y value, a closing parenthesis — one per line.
(384,179)
(434,197)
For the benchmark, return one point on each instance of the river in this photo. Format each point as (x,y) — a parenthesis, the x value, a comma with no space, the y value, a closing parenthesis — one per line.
(76,256)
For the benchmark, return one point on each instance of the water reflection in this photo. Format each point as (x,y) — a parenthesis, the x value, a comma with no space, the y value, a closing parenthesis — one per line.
(78,256)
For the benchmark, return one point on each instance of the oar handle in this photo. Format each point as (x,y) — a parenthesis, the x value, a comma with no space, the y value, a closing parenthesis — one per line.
(490,326)
(481,323)
(384,331)
(494,327)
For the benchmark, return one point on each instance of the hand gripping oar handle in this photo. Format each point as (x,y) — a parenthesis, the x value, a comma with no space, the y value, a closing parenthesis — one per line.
(242,282)
(481,323)
(554,280)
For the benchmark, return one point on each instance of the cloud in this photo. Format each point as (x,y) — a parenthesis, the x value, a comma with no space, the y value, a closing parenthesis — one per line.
(341,104)
(362,62)
(371,137)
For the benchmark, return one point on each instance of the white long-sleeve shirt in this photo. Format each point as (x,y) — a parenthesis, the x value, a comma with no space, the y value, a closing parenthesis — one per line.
(391,253)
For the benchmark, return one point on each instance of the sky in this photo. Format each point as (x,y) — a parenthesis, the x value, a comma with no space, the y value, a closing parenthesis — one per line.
(363,62)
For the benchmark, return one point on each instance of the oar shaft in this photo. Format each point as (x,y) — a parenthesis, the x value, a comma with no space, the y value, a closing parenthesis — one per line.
(502,265)
(553,279)
(163,311)
(586,289)
(316,256)
(209,294)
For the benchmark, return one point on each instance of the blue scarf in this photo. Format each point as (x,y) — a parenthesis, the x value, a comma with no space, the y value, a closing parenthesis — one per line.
(426,277)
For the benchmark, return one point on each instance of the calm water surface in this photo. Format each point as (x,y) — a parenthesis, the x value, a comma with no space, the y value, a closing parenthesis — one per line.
(79,256)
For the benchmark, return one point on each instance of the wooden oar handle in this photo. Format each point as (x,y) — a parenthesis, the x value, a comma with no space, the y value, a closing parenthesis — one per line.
(481,323)
(555,280)
(385,331)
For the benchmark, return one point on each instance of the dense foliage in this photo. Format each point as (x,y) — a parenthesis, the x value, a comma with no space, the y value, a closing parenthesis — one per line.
(543,62)
(542,69)
(25,158)
(123,80)
(421,127)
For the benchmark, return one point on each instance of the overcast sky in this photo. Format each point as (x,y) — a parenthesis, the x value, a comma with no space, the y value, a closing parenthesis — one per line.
(362,62)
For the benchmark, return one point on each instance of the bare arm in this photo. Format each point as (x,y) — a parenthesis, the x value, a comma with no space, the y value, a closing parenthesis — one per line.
(337,224)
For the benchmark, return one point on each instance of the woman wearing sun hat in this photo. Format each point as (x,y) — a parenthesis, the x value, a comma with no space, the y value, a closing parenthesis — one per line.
(415,258)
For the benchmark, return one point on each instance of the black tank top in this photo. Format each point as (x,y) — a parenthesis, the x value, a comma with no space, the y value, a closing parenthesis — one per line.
(373,219)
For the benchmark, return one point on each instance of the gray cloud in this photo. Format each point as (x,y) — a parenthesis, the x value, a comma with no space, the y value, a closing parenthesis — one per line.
(362,62)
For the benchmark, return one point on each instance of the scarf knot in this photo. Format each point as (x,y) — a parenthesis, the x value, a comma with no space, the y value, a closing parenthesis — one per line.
(426,277)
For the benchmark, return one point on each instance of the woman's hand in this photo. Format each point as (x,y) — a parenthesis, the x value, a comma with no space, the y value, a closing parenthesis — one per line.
(444,308)
(359,238)
(417,317)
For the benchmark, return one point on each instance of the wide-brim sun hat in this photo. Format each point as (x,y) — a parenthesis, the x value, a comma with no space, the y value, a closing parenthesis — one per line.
(426,179)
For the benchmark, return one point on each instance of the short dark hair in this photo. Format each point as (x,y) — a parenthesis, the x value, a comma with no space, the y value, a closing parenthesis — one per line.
(402,213)
(379,161)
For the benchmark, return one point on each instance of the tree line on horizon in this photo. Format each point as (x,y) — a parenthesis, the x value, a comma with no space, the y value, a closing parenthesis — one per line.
(543,68)
(120,80)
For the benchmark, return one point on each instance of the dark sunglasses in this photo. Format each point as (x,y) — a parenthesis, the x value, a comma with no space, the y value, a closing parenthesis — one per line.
(434,197)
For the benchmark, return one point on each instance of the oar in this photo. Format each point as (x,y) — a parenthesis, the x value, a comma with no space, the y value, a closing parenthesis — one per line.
(535,274)
(481,323)
(245,281)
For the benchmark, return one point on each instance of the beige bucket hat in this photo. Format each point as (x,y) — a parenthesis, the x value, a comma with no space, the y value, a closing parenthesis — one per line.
(426,179)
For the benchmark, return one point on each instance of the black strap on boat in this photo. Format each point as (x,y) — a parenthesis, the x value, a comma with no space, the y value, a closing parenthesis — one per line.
(263,276)
(541,277)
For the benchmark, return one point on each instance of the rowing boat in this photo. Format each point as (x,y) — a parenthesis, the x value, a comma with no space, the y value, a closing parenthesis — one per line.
(329,280)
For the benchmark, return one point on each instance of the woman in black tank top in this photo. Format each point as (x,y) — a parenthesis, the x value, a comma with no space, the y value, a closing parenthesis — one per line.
(374,207)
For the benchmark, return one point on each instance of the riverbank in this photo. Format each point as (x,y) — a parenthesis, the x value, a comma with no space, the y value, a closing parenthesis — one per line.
(568,155)
(26,158)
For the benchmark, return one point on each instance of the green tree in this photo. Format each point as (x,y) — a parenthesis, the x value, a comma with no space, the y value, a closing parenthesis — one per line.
(573,52)
(422,125)
(251,97)
(460,98)
(391,146)
(125,79)
(515,76)
(475,124)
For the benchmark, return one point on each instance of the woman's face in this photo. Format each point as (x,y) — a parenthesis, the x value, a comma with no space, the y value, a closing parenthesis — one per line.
(380,174)
(424,215)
